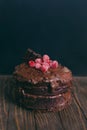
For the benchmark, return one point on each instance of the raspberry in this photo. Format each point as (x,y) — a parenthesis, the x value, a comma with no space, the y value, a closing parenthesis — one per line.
(50,62)
(31,63)
(46,64)
(44,68)
(46,58)
(38,60)
(54,64)
(37,65)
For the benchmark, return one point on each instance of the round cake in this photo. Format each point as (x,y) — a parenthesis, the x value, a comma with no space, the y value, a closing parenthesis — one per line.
(42,83)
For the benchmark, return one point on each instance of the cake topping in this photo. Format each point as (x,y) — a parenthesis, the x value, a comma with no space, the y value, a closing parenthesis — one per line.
(44,68)
(43,63)
(32,63)
(38,60)
(54,64)
(46,58)
(31,55)
(37,65)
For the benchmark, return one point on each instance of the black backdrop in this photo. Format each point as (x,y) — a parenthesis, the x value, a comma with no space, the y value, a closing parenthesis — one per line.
(55,27)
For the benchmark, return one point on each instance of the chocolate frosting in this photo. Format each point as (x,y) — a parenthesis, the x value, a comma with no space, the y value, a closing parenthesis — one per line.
(55,77)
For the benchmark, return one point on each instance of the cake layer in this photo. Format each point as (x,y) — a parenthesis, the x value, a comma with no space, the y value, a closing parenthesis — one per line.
(48,103)
(42,89)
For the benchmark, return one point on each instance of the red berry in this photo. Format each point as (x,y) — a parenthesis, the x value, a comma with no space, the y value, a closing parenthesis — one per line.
(54,64)
(31,63)
(46,64)
(37,65)
(46,58)
(44,68)
(50,62)
(38,60)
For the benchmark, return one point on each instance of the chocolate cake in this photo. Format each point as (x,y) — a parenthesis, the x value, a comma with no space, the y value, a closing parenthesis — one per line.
(42,84)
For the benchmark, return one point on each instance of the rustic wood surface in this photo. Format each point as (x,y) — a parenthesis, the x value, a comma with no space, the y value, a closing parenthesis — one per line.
(14,117)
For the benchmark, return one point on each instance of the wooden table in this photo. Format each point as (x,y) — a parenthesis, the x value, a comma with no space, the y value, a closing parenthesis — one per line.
(13,117)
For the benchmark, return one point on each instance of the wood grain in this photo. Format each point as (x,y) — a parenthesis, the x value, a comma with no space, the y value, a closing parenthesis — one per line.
(14,117)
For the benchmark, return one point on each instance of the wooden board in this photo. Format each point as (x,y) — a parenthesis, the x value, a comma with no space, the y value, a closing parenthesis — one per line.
(13,117)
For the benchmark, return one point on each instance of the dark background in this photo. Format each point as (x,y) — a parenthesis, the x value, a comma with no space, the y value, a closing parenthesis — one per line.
(55,27)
